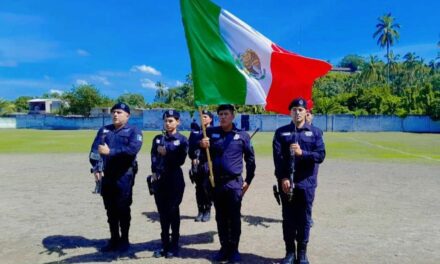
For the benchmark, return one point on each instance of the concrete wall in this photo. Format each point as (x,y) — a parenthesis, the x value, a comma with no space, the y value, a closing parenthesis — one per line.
(8,122)
(152,120)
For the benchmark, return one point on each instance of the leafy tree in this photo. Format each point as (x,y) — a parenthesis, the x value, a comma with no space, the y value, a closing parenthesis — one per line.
(21,103)
(372,71)
(387,33)
(82,99)
(354,62)
(134,100)
(161,93)
(6,107)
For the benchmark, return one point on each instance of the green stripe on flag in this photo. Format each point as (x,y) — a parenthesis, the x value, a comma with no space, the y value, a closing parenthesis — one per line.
(215,76)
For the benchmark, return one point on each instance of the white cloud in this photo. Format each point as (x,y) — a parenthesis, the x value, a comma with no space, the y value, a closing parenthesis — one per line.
(147,83)
(145,69)
(81,82)
(52,91)
(82,53)
(100,79)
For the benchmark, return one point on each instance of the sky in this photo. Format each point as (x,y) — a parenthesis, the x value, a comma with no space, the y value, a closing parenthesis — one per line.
(127,46)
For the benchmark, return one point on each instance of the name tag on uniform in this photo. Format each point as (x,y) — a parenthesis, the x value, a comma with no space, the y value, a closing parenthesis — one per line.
(236,137)
(285,134)
(176,142)
(215,136)
(195,132)
(308,133)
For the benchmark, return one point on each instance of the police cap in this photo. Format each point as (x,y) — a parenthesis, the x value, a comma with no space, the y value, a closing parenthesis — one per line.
(298,102)
(208,113)
(225,107)
(171,113)
(121,106)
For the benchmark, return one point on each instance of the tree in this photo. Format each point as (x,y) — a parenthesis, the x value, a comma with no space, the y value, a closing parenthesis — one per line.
(386,31)
(372,70)
(161,93)
(133,100)
(6,107)
(21,103)
(82,99)
(354,62)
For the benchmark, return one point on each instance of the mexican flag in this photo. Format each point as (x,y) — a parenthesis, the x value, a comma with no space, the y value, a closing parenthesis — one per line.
(232,63)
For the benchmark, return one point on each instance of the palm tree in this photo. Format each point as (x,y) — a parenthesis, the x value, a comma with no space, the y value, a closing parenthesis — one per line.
(372,70)
(386,31)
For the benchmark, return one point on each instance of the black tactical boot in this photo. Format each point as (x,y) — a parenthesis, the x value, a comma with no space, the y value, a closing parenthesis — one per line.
(199,216)
(206,214)
(174,246)
(289,258)
(302,254)
(222,255)
(124,243)
(113,243)
(165,246)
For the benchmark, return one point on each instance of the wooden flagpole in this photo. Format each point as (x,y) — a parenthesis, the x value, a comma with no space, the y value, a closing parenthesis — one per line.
(208,155)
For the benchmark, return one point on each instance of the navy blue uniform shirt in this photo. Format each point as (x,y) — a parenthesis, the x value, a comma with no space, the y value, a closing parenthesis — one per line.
(176,147)
(312,145)
(124,145)
(227,150)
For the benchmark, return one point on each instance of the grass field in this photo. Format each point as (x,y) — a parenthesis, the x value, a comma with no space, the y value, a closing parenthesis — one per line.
(381,146)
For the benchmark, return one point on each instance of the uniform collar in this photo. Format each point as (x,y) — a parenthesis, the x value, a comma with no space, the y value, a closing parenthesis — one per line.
(304,127)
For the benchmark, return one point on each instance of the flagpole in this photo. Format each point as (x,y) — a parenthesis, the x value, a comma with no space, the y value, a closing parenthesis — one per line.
(208,155)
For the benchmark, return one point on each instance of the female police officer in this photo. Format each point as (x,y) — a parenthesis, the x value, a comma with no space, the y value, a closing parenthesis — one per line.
(199,170)
(168,153)
(298,148)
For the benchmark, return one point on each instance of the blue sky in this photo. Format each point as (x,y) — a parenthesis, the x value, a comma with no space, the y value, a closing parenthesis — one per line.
(127,46)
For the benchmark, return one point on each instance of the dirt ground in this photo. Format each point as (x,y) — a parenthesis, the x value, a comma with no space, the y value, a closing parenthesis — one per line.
(363,213)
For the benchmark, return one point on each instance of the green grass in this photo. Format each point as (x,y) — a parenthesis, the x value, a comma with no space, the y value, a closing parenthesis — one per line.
(382,146)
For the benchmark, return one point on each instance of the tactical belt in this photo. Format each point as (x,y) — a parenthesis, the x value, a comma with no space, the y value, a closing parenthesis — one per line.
(227,177)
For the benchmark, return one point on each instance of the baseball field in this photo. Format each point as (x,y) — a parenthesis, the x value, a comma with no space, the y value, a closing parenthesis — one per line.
(377,202)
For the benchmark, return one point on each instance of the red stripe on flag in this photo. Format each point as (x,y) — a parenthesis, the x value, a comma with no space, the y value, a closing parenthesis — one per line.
(292,77)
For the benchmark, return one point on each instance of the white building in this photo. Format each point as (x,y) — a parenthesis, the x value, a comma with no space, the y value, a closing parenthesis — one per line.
(44,106)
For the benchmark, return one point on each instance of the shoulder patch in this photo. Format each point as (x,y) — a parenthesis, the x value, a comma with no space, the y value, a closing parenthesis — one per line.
(139,137)
(236,136)
(157,141)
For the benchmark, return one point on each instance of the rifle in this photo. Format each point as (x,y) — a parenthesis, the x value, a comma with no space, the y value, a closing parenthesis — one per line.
(292,171)
(153,181)
(98,168)
(277,194)
(98,171)
(255,132)
(194,167)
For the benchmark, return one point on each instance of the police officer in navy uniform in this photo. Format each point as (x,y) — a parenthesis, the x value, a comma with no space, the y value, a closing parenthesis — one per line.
(199,169)
(168,154)
(118,145)
(301,145)
(228,146)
